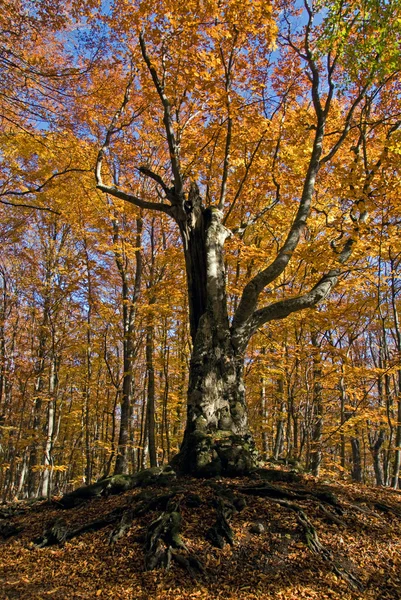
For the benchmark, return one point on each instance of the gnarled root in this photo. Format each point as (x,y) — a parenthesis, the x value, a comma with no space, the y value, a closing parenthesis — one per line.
(164,542)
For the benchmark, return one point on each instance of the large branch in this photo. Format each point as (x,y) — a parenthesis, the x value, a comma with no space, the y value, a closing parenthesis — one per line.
(227,153)
(112,189)
(167,120)
(117,193)
(31,206)
(111,130)
(253,289)
(283,308)
(36,190)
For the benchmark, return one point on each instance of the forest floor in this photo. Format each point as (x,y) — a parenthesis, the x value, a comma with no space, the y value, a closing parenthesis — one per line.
(358,527)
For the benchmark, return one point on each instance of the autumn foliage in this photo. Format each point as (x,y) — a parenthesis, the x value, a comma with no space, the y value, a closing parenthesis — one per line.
(94,330)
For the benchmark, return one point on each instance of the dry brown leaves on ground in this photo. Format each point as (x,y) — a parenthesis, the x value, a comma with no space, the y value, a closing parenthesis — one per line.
(363,538)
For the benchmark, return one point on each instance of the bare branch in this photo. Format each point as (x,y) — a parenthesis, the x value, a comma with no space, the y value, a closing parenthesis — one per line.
(244,226)
(243,180)
(39,188)
(149,173)
(226,164)
(252,290)
(112,130)
(227,152)
(348,119)
(167,120)
(32,206)
(114,191)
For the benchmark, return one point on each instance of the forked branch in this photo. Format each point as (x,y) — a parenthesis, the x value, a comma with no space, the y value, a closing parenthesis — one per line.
(167,120)
(283,308)
(112,130)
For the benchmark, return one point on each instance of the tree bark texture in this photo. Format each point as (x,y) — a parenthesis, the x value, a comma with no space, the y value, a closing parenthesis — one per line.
(217,439)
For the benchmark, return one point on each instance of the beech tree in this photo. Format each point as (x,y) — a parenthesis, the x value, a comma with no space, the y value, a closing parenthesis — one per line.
(210,89)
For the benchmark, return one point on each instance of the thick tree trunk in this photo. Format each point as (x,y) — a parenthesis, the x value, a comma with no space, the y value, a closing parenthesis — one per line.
(217,439)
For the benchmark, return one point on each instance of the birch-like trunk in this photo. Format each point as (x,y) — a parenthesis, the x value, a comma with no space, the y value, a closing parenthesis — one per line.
(50,430)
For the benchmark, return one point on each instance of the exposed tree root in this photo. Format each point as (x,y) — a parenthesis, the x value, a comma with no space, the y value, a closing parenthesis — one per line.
(7,530)
(387,509)
(330,517)
(221,533)
(118,484)
(277,475)
(314,544)
(162,536)
(317,547)
(266,490)
(56,532)
(122,528)
(163,542)
(227,504)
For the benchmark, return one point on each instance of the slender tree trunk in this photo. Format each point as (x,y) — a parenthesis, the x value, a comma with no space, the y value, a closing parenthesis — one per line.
(279,438)
(151,400)
(50,430)
(151,397)
(3,359)
(165,420)
(397,328)
(129,312)
(356,471)
(342,421)
(377,438)
(37,406)
(317,428)
(88,382)
(375,443)
(263,419)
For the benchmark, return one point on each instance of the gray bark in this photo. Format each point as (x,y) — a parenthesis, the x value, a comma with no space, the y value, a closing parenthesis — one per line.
(356,471)
(316,453)
(217,437)
(129,299)
(151,400)
(279,439)
(50,431)
(376,442)
(397,328)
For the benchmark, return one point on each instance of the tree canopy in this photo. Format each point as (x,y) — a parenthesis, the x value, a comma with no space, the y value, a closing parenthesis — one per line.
(236,162)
